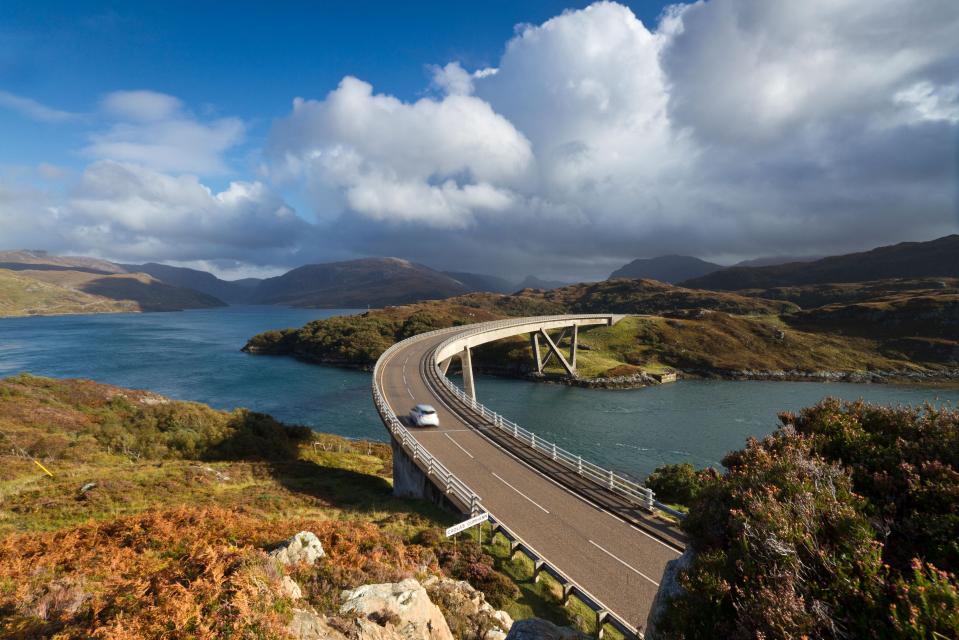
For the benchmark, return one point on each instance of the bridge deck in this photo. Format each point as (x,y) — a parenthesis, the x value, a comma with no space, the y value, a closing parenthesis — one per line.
(616,561)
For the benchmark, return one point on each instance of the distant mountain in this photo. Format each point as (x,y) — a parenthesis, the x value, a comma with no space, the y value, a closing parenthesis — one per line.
(371,282)
(670,269)
(49,284)
(41,260)
(482,282)
(532,282)
(232,291)
(904,260)
(771,261)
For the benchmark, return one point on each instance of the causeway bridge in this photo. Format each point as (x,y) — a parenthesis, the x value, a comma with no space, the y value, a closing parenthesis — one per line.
(595,531)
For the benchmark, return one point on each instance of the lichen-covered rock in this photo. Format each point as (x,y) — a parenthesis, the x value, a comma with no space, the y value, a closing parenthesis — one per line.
(304,548)
(539,629)
(403,605)
(669,588)
(309,625)
(467,613)
(290,588)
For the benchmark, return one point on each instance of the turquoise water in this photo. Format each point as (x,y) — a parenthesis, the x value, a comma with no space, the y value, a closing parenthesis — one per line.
(195,355)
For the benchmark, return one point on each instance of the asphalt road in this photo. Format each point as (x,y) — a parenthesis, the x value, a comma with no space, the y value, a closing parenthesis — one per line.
(616,561)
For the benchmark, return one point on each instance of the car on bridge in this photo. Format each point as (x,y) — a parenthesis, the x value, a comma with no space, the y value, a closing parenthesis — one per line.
(424,415)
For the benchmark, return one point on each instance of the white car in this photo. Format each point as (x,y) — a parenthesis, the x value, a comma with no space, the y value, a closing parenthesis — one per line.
(424,415)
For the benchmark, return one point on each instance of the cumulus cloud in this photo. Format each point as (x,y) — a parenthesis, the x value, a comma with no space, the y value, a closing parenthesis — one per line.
(731,128)
(728,129)
(153,129)
(137,212)
(439,162)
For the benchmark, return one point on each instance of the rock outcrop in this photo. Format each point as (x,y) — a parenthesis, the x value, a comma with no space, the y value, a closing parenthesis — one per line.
(669,588)
(304,548)
(467,613)
(404,606)
(539,629)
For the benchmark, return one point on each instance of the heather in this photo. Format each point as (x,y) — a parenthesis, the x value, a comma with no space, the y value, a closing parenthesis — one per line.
(843,523)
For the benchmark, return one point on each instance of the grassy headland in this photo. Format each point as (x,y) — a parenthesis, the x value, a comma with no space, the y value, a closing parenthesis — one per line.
(156,519)
(899,333)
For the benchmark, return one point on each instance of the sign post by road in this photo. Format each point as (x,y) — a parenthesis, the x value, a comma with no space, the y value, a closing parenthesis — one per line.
(466,524)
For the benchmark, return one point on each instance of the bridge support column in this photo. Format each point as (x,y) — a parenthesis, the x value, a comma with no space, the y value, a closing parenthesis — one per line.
(554,350)
(567,592)
(537,357)
(466,361)
(537,570)
(445,365)
(572,346)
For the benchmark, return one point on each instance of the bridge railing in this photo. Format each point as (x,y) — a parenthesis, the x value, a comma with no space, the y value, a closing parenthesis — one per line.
(460,492)
(439,474)
(624,486)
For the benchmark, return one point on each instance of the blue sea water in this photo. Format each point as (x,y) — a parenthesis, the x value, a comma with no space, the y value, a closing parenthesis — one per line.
(195,355)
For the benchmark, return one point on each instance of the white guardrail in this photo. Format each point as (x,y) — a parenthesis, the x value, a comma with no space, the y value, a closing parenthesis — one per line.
(460,492)
(633,491)
(454,487)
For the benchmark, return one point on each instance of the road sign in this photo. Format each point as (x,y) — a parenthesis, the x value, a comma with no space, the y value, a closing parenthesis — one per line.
(466,524)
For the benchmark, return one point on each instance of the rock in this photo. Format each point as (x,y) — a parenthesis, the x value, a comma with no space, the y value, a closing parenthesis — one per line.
(290,588)
(467,613)
(304,547)
(404,605)
(539,629)
(669,588)
(309,625)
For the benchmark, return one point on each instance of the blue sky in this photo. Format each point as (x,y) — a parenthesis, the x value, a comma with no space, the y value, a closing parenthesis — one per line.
(245,59)
(556,138)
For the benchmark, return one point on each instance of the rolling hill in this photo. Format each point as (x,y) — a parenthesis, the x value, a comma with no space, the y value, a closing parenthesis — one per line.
(671,269)
(357,283)
(232,291)
(935,258)
(36,283)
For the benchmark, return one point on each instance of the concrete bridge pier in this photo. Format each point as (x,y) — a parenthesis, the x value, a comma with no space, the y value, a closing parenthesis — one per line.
(409,481)
(466,360)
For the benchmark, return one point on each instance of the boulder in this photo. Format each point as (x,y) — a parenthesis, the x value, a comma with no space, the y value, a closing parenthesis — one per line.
(309,625)
(539,629)
(404,606)
(290,588)
(304,547)
(467,613)
(669,588)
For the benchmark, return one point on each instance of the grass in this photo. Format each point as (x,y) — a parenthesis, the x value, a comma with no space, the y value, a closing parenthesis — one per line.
(156,518)
(542,599)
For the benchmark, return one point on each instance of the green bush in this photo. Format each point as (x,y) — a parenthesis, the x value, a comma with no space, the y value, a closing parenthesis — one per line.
(679,483)
(844,523)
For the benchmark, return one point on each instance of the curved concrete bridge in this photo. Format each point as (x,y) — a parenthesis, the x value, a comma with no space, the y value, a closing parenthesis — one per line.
(590,528)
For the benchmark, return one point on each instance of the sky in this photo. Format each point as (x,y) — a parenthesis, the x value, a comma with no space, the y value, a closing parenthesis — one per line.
(557,138)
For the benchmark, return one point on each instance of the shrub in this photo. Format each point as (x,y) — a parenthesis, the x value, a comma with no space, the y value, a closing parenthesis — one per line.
(806,533)
(679,483)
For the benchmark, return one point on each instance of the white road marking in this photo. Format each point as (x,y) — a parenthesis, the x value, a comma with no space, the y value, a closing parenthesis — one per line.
(564,488)
(538,505)
(458,445)
(624,563)
(410,392)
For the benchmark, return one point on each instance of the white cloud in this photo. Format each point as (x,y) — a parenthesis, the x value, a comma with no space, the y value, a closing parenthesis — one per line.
(439,162)
(33,109)
(154,130)
(141,106)
(732,127)
(131,210)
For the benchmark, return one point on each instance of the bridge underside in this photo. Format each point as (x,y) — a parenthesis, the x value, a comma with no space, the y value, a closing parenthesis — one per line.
(538,336)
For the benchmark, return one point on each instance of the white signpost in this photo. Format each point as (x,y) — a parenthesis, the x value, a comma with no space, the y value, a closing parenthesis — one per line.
(466,524)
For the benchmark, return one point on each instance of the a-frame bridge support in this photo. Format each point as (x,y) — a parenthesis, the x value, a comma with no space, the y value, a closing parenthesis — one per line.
(540,362)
